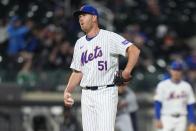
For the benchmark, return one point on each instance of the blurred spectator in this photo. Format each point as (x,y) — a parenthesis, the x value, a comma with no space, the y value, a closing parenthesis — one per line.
(16,34)
(71,121)
(117,6)
(16,54)
(48,41)
(32,41)
(191,63)
(27,79)
(134,34)
(191,42)
(127,110)
(59,17)
(191,60)
(3,36)
(153,7)
(161,30)
(25,76)
(61,56)
(172,47)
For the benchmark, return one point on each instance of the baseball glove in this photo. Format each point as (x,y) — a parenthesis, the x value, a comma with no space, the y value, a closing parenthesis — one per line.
(191,128)
(119,80)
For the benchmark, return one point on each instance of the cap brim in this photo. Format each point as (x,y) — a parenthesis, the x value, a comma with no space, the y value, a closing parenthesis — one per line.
(77,13)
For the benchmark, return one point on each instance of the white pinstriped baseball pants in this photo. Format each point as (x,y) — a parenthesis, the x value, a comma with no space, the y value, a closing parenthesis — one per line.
(99,109)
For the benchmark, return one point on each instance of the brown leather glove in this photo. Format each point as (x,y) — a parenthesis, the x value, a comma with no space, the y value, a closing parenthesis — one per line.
(119,80)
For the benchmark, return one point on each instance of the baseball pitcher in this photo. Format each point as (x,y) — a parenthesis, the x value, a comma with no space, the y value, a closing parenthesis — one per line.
(94,64)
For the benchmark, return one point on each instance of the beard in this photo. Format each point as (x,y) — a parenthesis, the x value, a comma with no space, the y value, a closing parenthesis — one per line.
(86,29)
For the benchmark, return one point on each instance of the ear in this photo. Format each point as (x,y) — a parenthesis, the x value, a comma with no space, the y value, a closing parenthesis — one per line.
(94,18)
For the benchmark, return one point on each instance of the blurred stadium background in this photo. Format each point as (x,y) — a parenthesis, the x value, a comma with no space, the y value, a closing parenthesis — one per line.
(34,64)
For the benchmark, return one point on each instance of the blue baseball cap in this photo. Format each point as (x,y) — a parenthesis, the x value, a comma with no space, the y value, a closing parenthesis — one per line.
(176,65)
(86,9)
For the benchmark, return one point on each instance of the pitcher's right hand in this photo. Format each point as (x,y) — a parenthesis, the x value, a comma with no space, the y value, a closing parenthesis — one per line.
(68,100)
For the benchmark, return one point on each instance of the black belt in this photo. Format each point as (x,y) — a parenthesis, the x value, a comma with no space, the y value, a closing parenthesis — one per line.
(96,87)
(176,115)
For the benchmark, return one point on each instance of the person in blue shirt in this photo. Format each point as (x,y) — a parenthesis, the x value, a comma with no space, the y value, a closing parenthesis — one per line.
(16,36)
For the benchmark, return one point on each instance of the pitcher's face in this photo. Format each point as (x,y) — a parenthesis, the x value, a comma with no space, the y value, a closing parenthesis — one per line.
(86,22)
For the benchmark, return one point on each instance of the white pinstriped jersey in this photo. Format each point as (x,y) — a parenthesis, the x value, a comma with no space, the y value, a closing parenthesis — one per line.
(174,96)
(97,58)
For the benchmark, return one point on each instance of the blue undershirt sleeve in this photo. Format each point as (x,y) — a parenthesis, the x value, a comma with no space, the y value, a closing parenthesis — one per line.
(191,115)
(157,107)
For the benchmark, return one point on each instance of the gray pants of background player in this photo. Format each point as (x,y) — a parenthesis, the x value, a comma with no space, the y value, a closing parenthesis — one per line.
(123,122)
